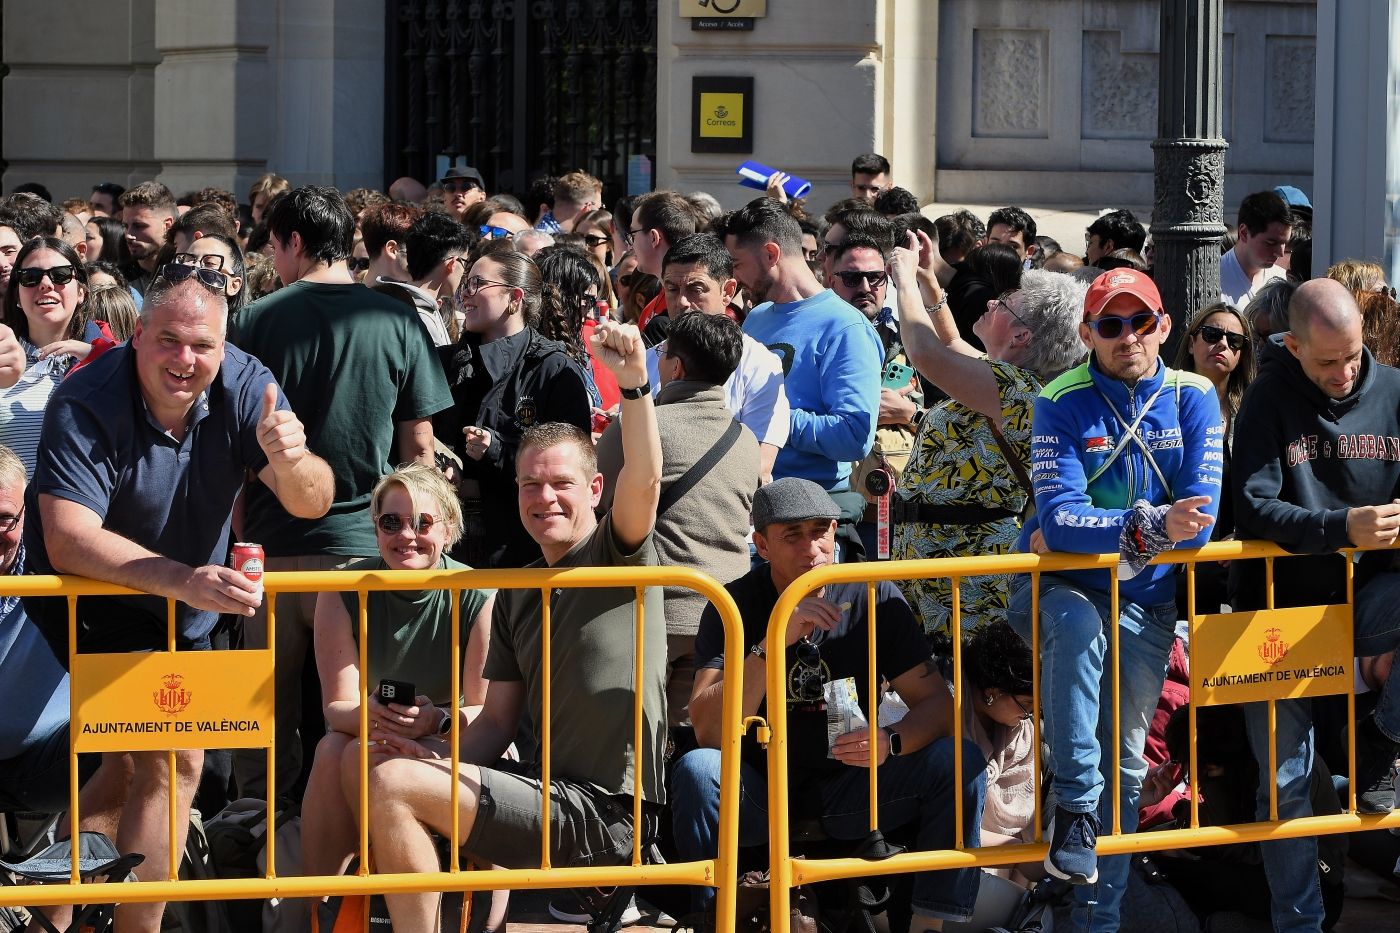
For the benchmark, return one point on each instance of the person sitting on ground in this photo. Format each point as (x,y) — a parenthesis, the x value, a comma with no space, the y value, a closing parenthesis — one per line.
(595,770)
(417,518)
(962,492)
(825,643)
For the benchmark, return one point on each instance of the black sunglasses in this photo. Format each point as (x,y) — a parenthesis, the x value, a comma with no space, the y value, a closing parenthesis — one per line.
(876,278)
(58,275)
(594,239)
(357,263)
(1111,327)
(174,272)
(1212,334)
(391,524)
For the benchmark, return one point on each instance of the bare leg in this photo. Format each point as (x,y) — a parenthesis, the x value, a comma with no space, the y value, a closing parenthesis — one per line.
(411,799)
(145,826)
(329,823)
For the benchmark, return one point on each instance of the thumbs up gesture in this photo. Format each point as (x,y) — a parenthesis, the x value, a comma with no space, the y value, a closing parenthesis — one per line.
(280,433)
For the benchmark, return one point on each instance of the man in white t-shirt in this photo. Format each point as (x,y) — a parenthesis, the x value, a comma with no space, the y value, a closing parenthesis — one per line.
(698,275)
(1265,222)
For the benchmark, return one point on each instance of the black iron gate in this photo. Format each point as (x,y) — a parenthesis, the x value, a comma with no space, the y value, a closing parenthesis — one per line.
(520,88)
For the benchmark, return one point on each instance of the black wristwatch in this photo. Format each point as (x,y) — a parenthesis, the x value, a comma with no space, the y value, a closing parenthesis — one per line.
(638,392)
(896,743)
(445,727)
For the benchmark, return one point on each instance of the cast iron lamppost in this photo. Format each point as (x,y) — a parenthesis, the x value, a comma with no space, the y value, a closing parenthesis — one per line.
(1189,161)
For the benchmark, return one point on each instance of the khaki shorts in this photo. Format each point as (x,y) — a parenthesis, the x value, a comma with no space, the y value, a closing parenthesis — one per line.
(587,826)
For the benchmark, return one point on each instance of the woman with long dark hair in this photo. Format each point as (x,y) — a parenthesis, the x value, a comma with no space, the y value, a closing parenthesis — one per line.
(571,289)
(46,290)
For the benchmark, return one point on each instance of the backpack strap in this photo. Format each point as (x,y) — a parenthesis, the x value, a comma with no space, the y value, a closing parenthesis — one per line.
(705,464)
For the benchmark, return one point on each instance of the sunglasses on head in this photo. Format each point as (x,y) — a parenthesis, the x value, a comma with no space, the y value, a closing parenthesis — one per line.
(1212,334)
(876,278)
(58,275)
(1111,327)
(391,524)
(174,272)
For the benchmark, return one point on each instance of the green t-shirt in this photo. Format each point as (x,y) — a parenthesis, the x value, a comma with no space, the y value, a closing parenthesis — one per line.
(410,631)
(352,363)
(591,652)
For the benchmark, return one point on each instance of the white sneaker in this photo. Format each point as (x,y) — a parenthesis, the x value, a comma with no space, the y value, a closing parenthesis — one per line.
(568,910)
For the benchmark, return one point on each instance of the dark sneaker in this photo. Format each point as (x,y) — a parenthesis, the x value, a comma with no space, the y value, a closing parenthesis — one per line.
(1073,837)
(1375,765)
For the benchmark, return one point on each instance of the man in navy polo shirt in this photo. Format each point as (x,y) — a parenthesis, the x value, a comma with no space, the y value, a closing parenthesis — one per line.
(142,456)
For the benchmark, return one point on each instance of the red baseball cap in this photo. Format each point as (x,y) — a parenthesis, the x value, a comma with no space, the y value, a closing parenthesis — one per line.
(1117,282)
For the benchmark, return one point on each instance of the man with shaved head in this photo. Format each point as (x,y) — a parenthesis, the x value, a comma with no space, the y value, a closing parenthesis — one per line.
(1316,468)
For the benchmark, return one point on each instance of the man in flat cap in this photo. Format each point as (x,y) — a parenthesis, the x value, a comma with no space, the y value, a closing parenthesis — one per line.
(825,646)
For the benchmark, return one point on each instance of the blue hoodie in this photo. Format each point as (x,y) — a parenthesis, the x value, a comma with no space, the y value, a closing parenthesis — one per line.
(1074,432)
(831,372)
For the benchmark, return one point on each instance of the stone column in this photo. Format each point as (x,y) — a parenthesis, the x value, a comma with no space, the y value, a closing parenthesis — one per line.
(1189,156)
(1356,196)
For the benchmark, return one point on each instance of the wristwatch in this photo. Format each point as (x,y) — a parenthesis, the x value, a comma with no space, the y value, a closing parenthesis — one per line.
(759,651)
(896,743)
(445,727)
(638,392)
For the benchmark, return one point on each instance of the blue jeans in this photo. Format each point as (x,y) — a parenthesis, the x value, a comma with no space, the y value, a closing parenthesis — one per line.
(1075,672)
(1291,864)
(916,787)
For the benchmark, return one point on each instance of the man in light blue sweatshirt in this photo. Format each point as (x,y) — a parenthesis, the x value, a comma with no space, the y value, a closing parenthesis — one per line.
(831,355)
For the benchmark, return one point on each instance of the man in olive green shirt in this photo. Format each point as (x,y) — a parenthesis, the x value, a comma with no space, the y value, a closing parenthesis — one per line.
(595,770)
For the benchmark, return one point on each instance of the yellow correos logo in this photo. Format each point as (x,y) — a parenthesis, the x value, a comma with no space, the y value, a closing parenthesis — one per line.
(722,115)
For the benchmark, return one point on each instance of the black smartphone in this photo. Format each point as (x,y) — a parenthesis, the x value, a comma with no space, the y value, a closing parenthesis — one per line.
(397,691)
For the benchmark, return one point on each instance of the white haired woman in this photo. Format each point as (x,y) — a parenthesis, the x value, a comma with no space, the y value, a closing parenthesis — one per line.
(965,488)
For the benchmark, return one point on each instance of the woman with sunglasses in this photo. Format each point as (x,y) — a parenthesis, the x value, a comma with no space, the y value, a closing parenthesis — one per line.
(505,376)
(42,301)
(416,518)
(962,491)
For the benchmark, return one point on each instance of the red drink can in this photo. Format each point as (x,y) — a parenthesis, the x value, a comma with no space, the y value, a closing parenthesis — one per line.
(247,559)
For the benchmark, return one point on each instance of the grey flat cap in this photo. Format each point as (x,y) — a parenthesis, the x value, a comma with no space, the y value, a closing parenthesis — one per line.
(791,500)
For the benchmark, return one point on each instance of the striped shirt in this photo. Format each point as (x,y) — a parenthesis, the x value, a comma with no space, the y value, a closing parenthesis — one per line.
(22,405)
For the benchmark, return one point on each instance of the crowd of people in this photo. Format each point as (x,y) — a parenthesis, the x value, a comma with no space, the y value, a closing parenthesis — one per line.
(437,378)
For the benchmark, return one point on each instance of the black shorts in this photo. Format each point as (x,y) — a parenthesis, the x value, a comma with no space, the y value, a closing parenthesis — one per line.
(105,626)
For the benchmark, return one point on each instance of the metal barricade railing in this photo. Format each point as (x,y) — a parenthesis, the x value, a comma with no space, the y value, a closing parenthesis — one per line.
(720,872)
(787,871)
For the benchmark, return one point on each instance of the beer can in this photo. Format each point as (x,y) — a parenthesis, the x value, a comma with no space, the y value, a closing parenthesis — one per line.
(247,559)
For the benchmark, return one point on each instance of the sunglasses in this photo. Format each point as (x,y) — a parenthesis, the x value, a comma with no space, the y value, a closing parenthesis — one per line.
(1111,327)
(595,240)
(174,272)
(358,264)
(208,260)
(455,186)
(853,279)
(476,283)
(488,232)
(391,524)
(1212,334)
(58,275)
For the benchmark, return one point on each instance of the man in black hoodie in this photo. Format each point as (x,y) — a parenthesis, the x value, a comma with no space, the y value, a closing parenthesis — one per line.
(1317,468)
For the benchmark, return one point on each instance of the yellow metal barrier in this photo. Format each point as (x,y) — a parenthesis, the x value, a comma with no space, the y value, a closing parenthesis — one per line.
(787,871)
(720,872)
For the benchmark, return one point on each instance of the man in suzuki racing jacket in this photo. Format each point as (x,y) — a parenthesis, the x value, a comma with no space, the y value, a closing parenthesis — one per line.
(1126,457)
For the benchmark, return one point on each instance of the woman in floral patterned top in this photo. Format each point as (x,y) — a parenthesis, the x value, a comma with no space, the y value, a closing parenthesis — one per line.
(959,495)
